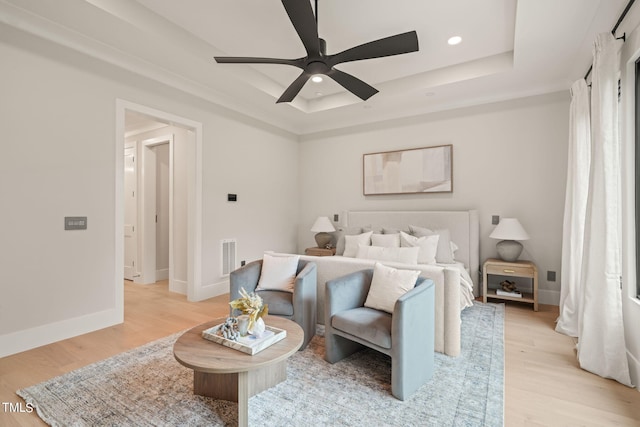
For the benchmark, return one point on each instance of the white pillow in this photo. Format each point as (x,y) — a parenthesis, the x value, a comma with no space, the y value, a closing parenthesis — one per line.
(428,246)
(387,285)
(278,273)
(339,237)
(351,243)
(444,254)
(380,253)
(386,240)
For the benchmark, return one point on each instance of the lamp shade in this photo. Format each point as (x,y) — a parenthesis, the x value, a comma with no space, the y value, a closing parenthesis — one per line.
(509,229)
(322,224)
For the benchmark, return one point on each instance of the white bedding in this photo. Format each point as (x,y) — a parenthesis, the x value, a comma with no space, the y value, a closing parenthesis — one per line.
(466,284)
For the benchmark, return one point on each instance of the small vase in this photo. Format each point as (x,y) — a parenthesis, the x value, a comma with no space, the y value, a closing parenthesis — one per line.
(258,328)
(243,324)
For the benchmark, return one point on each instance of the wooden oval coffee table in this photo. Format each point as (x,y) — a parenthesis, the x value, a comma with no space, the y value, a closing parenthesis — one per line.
(224,373)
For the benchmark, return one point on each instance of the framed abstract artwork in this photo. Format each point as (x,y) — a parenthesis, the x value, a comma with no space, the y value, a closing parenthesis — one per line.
(411,171)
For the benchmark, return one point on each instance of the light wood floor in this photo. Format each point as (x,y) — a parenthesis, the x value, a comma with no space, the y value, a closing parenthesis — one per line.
(543,384)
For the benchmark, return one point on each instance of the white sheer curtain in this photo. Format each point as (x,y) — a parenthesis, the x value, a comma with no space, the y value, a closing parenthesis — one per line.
(601,344)
(575,208)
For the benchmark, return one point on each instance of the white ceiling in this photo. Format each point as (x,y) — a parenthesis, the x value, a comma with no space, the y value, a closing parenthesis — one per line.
(510,49)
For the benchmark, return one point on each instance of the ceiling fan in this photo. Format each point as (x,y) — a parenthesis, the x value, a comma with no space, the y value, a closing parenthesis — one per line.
(318,61)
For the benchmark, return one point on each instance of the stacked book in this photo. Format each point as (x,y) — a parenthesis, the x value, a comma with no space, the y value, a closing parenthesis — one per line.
(515,293)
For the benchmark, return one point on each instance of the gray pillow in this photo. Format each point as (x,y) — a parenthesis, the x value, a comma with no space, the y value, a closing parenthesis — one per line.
(444,255)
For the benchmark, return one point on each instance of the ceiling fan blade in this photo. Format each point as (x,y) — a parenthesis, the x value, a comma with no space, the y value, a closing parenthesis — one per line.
(352,84)
(388,46)
(304,21)
(294,88)
(249,60)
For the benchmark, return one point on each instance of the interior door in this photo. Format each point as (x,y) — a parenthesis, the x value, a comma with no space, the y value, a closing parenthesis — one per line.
(130,214)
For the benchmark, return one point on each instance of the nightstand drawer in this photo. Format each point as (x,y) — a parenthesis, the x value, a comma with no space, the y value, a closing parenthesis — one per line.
(510,270)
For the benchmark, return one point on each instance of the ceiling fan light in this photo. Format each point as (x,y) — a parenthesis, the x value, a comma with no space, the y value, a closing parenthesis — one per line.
(316,79)
(454,40)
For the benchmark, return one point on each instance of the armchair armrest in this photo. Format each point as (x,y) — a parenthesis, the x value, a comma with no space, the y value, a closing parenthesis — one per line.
(305,284)
(347,292)
(413,334)
(304,300)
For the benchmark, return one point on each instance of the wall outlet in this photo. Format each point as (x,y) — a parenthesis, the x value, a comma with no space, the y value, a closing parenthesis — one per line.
(495,219)
(336,218)
(242,263)
(551,276)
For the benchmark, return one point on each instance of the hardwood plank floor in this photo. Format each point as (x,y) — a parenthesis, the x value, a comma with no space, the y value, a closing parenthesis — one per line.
(543,384)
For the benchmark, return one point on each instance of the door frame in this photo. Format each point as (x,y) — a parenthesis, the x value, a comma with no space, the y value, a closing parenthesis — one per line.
(194,199)
(147,237)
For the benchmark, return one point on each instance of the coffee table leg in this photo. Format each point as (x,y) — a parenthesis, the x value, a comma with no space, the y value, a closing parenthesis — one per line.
(243,399)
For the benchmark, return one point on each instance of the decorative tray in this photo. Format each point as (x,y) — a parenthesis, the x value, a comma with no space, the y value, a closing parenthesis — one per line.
(249,344)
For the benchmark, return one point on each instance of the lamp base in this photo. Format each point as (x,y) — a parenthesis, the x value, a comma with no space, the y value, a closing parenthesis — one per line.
(323,239)
(509,250)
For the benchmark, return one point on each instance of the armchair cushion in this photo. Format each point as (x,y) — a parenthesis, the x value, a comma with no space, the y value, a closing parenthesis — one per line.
(368,324)
(278,273)
(387,285)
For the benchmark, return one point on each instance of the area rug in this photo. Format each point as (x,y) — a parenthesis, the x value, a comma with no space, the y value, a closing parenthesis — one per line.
(147,387)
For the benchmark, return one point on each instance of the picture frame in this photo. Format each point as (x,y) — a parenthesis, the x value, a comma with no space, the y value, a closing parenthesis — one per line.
(411,171)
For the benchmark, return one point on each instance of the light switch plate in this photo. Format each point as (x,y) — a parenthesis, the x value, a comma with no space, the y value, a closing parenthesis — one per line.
(75,222)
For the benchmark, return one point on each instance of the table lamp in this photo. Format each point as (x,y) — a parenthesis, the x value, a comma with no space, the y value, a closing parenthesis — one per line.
(322,227)
(508,231)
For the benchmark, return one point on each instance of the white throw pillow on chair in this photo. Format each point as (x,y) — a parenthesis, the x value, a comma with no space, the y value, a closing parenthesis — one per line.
(278,273)
(387,285)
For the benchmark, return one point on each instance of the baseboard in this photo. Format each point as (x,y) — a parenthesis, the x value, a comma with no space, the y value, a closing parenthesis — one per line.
(634,370)
(178,286)
(212,290)
(162,274)
(27,339)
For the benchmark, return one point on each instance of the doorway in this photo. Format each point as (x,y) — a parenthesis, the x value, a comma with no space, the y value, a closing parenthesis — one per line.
(148,198)
(186,203)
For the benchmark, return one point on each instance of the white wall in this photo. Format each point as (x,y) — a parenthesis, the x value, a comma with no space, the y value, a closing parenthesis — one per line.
(630,304)
(57,114)
(509,159)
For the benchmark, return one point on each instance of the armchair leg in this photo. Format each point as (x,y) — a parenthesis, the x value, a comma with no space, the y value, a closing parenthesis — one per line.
(405,380)
(337,347)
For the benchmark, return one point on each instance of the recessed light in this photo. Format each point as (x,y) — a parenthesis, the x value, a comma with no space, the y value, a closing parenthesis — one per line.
(454,40)
(429,94)
(316,79)
(318,93)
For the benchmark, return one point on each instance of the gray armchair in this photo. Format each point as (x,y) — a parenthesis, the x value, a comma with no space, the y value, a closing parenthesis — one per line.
(299,306)
(407,335)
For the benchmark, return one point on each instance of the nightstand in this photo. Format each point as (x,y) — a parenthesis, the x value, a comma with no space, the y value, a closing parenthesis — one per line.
(320,251)
(520,269)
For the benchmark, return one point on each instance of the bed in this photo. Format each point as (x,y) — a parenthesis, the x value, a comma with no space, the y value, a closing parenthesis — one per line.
(463,228)
(456,281)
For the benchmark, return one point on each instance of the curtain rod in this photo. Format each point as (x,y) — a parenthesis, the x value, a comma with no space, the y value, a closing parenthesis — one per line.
(613,31)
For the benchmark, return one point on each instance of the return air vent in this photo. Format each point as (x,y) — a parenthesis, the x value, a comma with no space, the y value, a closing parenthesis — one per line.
(228,255)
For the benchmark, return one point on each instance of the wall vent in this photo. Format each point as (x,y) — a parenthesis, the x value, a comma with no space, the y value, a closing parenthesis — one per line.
(229,255)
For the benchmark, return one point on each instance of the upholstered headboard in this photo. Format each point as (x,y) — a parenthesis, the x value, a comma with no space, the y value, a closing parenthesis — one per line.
(463,227)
